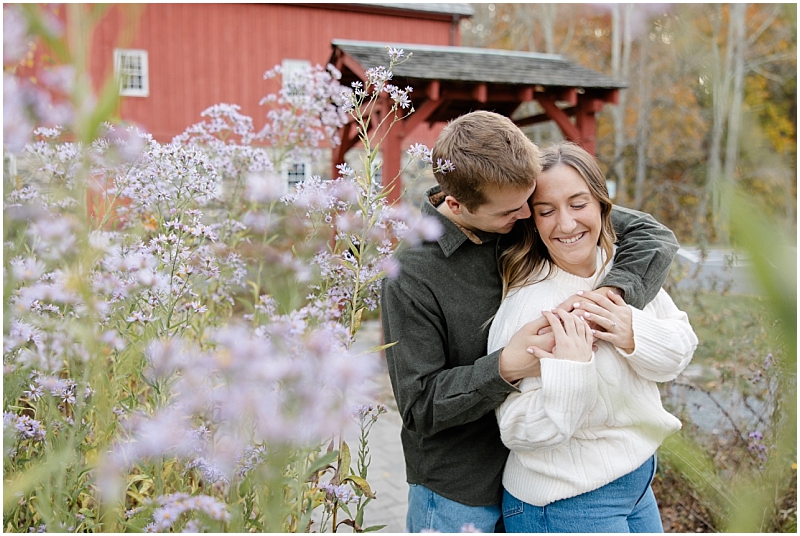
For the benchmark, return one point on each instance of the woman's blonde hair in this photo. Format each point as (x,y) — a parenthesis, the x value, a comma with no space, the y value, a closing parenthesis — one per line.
(528,252)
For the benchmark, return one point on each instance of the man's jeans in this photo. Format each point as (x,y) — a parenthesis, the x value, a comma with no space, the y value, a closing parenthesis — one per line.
(430,511)
(624,505)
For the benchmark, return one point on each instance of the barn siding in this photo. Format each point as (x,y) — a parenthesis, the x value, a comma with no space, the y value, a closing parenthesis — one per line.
(202,54)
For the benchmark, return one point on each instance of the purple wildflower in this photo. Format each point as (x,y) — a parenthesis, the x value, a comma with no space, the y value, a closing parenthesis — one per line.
(341,493)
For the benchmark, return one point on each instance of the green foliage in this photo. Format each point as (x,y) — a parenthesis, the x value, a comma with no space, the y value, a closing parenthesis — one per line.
(679,50)
(164,360)
(742,487)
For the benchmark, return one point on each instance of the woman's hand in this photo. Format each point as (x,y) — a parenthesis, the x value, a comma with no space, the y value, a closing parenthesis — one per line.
(573,337)
(610,316)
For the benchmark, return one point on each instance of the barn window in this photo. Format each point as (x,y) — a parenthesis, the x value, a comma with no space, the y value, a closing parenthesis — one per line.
(130,67)
(296,172)
(292,76)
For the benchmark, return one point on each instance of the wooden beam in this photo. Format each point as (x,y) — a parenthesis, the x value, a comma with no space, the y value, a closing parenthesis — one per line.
(586,123)
(493,94)
(356,68)
(555,113)
(421,114)
(459,94)
(348,135)
(591,105)
(337,59)
(433,90)
(542,118)
(390,139)
(612,96)
(352,137)
(379,110)
(567,94)
(392,154)
(480,93)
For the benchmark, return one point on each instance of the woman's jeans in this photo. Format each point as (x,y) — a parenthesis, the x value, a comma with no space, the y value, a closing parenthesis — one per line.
(624,505)
(429,511)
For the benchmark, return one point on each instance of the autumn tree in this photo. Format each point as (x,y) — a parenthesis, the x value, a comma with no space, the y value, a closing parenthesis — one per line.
(710,103)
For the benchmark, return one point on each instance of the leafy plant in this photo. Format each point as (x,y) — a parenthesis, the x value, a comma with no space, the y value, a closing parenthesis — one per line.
(178,325)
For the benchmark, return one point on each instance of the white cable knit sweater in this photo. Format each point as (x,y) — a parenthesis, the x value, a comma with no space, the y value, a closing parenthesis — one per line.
(583,425)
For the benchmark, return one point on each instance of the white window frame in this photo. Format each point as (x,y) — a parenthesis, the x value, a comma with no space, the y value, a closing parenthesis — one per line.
(288,68)
(289,172)
(144,72)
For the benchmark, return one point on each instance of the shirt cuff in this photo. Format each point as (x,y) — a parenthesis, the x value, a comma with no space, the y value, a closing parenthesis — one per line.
(492,384)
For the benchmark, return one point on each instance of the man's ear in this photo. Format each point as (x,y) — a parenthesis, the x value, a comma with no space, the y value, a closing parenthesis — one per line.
(453,204)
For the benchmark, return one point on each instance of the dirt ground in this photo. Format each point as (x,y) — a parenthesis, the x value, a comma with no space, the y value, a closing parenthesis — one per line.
(682,511)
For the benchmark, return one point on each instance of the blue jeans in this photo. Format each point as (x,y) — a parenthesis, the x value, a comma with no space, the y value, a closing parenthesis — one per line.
(625,505)
(430,511)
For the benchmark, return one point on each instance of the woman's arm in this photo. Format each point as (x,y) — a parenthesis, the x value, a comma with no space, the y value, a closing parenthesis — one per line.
(548,411)
(657,342)
(664,341)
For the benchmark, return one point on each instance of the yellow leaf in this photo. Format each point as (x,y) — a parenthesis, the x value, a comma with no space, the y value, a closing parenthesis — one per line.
(361,484)
(357,319)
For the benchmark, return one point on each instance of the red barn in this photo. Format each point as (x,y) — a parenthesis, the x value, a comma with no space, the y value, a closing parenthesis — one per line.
(179,59)
(192,56)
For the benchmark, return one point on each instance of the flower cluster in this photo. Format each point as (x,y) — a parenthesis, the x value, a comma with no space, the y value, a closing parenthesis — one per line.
(342,493)
(309,108)
(369,412)
(285,386)
(27,104)
(757,447)
(24,427)
(128,266)
(365,230)
(176,504)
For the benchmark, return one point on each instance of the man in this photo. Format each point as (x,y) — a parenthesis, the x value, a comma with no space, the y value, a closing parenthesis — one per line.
(438,310)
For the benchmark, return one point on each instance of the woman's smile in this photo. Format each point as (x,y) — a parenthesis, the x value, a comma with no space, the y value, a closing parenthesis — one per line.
(572,239)
(568,219)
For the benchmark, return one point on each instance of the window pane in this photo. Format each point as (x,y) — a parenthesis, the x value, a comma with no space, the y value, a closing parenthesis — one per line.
(296,173)
(131,69)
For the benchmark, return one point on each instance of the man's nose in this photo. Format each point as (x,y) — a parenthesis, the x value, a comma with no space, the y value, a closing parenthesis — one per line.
(524,213)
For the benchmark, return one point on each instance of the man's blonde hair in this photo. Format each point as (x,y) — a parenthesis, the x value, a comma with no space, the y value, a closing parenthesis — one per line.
(486,149)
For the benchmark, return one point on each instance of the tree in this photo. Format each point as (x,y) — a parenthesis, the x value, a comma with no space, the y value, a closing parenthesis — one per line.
(713,87)
(621,44)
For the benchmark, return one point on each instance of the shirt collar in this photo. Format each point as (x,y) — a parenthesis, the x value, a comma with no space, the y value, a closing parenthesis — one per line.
(453,234)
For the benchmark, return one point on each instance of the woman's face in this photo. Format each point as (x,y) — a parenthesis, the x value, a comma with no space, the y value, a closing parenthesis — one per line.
(568,219)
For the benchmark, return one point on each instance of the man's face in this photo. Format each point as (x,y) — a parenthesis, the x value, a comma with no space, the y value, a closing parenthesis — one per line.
(498,215)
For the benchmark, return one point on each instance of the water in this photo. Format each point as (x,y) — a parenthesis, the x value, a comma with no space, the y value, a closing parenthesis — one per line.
(722,410)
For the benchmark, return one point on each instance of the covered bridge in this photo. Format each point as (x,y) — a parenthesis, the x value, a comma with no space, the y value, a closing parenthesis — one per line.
(451,81)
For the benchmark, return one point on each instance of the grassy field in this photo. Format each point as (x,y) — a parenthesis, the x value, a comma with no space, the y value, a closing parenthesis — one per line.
(736,333)
(738,348)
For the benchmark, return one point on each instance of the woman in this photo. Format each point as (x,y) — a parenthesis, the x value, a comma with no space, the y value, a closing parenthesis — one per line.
(583,436)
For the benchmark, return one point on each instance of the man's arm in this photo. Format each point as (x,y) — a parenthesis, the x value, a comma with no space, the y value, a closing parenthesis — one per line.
(431,396)
(645,250)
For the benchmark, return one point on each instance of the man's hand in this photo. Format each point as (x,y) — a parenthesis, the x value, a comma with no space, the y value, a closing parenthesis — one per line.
(516,361)
(610,317)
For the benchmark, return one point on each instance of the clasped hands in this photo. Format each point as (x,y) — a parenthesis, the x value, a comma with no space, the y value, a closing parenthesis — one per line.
(569,332)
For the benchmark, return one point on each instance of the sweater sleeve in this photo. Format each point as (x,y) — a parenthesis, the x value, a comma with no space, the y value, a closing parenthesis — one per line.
(645,250)
(431,396)
(549,409)
(664,340)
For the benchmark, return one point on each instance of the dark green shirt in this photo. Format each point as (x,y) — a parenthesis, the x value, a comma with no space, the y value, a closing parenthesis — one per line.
(445,385)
